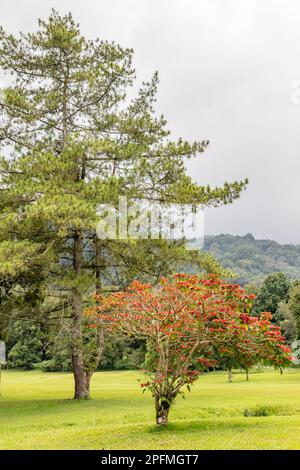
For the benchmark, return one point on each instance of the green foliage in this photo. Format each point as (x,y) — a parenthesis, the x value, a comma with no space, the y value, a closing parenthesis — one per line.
(58,357)
(28,342)
(274,289)
(56,364)
(50,351)
(294,305)
(132,358)
(288,322)
(123,354)
(296,352)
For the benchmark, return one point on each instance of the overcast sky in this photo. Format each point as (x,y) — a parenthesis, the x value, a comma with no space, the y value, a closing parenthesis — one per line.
(227,70)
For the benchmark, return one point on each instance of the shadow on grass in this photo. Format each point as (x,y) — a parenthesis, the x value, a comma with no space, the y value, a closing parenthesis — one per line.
(206,425)
(253,417)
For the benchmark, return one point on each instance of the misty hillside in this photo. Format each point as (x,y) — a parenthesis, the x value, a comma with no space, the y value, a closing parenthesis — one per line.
(253,259)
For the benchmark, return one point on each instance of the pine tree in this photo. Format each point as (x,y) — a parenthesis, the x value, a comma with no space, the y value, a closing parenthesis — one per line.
(74,140)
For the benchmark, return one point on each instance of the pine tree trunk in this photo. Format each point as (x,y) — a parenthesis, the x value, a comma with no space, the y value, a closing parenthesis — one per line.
(230,375)
(162,412)
(81,377)
(83,372)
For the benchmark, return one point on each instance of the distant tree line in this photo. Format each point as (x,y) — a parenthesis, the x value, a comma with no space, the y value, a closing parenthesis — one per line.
(33,345)
(252,260)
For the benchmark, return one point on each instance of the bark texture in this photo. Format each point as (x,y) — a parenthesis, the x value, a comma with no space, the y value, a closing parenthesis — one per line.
(162,408)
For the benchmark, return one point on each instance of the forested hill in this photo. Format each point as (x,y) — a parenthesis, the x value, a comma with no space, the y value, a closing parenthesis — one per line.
(253,259)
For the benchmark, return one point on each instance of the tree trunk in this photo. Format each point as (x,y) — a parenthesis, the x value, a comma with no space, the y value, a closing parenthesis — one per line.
(82,378)
(83,367)
(100,332)
(230,375)
(162,408)
(247,374)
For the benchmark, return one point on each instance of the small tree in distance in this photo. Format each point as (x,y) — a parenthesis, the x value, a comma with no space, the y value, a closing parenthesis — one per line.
(186,321)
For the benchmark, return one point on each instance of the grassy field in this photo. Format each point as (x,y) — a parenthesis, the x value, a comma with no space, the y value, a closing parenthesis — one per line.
(36,412)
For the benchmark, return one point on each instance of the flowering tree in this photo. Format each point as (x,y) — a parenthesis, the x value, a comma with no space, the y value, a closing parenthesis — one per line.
(188,323)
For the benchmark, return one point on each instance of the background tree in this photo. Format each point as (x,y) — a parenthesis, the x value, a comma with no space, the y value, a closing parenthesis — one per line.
(19,289)
(74,141)
(274,289)
(28,345)
(294,306)
(288,323)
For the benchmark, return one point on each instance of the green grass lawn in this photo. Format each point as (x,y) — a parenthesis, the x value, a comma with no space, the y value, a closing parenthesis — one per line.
(37,412)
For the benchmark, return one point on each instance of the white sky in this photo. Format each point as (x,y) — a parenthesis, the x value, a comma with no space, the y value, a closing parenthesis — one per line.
(226,69)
